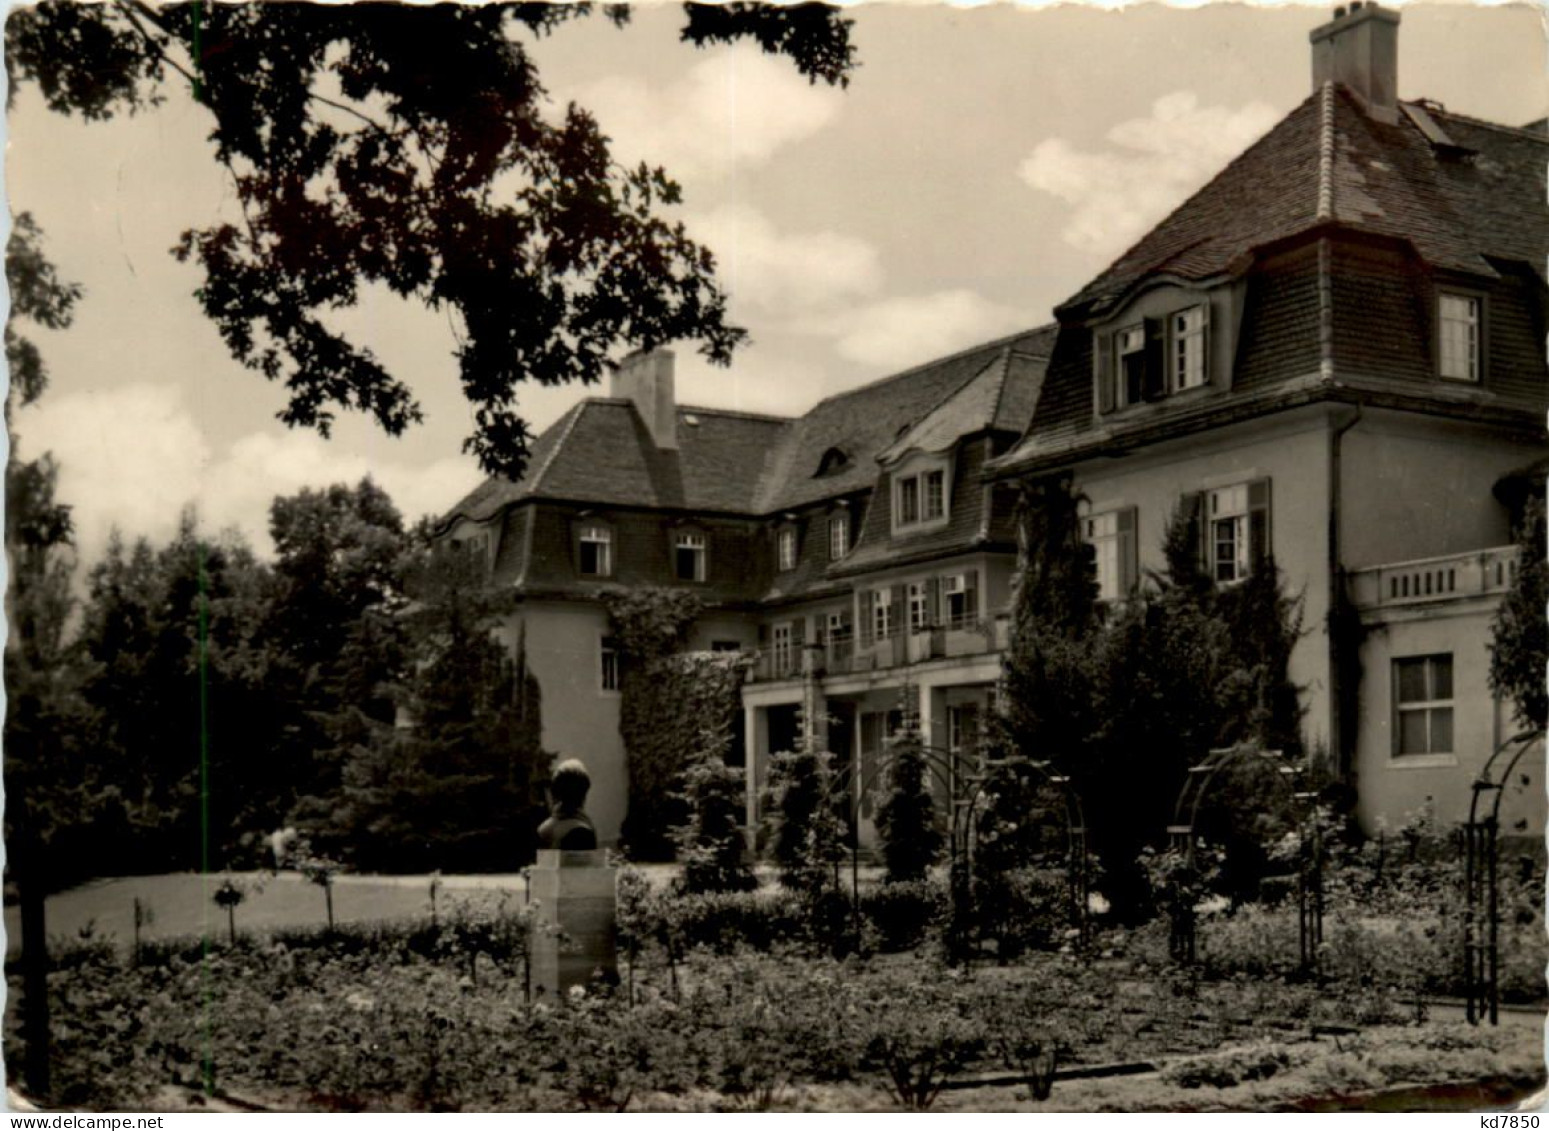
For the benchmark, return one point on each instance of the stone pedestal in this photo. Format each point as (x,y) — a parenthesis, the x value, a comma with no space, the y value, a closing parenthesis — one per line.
(575,892)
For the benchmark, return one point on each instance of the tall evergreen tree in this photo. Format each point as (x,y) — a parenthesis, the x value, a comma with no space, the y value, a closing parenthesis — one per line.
(906,819)
(1519,648)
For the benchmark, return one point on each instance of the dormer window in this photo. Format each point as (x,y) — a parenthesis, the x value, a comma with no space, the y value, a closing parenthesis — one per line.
(920,495)
(787,547)
(838,536)
(1188,350)
(690,553)
(596,551)
(835,459)
(1153,358)
(1460,324)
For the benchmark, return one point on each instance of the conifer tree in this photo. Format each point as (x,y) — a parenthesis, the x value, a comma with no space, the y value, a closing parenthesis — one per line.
(906,820)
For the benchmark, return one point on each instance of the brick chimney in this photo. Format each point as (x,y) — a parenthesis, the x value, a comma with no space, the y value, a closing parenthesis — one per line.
(646,379)
(1358,49)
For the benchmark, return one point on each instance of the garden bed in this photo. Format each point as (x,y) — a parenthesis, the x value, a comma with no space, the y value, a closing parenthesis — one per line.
(434,1018)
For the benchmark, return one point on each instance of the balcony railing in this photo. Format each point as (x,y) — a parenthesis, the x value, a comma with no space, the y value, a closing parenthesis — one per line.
(1473,574)
(960,637)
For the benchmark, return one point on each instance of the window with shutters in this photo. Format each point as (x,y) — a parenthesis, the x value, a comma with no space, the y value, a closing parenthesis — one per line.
(1111,535)
(783,651)
(1422,703)
(1236,530)
(919,606)
(1460,336)
(1153,358)
(690,554)
(787,544)
(883,616)
(960,599)
(596,550)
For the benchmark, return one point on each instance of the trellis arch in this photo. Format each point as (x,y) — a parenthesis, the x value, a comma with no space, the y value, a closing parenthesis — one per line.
(1481,881)
(1309,873)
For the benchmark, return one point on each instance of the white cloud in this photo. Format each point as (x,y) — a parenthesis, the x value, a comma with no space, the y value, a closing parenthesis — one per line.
(899,332)
(734,108)
(133,457)
(1149,167)
(786,274)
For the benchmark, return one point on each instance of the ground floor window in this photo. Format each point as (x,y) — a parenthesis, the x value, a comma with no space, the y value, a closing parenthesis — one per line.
(1422,701)
(609,658)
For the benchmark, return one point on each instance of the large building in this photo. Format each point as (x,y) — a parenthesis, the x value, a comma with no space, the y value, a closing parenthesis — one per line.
(1333,355)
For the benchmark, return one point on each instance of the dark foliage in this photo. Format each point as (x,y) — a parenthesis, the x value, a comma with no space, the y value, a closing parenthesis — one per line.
(906,820)
(448,182)
(1519,649)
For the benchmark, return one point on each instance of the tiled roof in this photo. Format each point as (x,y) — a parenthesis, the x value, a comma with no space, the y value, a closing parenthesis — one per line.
(1329,161)
(600,452)
(864,422)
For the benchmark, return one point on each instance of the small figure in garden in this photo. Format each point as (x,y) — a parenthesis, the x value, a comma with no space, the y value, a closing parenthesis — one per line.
(568,827)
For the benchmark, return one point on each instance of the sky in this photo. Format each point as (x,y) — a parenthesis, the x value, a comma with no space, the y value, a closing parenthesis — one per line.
(983,164)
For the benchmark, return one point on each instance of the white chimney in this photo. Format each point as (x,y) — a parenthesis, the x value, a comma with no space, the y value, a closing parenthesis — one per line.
(1358,49)
(646,379)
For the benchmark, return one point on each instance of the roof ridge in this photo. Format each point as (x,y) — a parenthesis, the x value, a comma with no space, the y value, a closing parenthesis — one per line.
(1326,150)
(1436,108)
(994,343)
(575,414)
(738,412)
(1189,200)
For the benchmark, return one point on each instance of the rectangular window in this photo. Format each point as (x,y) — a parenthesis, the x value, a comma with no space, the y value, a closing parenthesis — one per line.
(1112,538)
(838,627)
(1458,335)
(1423,705)
(596,551)
(1101,532)
(1130,348)
(725,646)
(609,660)
(788,547)
(1188,336)
(690,557)
(882,615)
(1229,533)
(838,537)
(919,606)
(958,595)
(783,650)
(909,501)
(935,494)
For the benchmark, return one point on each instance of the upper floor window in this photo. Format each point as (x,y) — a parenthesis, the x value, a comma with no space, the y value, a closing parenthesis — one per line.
(883,616)
(919,606)
(1149,359)
(961,598)
(838,536)
(1188,348)
(1112,538)
(689,557)
(596,551)
(784,648)
(1459,324)
(1422,704)
(608,657)
(920,497)
(787,547)
(1236,530)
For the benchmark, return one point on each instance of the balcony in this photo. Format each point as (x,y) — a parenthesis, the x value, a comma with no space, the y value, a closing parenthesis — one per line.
(1477,573)
(964,637)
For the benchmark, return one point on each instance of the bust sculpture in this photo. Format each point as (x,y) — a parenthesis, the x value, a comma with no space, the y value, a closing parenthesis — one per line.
(568,827)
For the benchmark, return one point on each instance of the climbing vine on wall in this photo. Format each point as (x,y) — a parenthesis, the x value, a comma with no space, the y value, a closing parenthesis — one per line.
(675,706)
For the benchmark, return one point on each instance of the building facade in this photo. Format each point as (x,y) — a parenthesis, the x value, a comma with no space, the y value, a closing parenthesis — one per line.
(1331,357)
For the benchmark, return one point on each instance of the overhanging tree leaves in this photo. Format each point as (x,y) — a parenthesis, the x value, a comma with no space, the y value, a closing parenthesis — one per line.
(1519,647)
(414,148)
